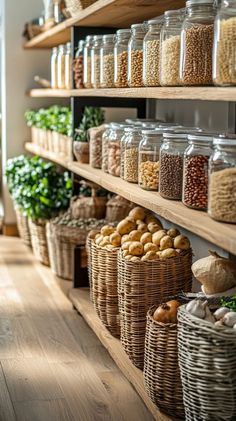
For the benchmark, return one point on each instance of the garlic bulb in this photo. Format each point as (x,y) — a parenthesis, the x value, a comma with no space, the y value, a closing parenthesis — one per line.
(219,323)
(197,308)
(221,312)
(229,319)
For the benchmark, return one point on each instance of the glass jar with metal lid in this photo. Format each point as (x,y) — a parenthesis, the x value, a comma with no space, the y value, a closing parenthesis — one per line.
(222,180)
(68,67)
(95,61)
(61,67)
(131,154)
(151,53)
(196,160)
(149,151)
(78,66)
(87,61)
(135,56)
(224,69)
(114,148)
(197,43)
(107,61)
(121,58)
(54,72)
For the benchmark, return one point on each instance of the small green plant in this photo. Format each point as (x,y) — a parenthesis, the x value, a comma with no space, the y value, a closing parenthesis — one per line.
(55,118)
(92,117)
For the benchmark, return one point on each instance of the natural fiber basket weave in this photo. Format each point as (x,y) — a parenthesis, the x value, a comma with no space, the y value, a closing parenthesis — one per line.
(89,242)
(23,227)
(75,6)
(141,285)
(39,241)
(207,358)
(104,287)
(161,369)
(118,208)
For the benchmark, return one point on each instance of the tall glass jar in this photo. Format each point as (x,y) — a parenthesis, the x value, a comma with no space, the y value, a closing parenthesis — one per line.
(78,64)
(131,154)
(149,151)
(197,43)
(114,145)
(135,56)
(151,53)
(222,180)
(124,139)
(170,47)
(61,67)
(54,72)
(87,61)
(107,61)
(196,159)
(95,63)
(105,143)
(224,68)
(121,58)
(68,67)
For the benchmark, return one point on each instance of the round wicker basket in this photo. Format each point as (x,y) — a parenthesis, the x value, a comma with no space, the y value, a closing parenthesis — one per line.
(39,241)
(23,227)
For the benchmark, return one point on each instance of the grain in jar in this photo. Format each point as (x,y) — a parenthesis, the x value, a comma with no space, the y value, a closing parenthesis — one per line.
(170,48)
(131,154)
(222,180)
(135,56)
(107,62)
(121,58)
(124,139)
(197,43)
(54,72)
(68,67)
(61,67)
(105,142)
(95,61)
(149,150)
(151,53)
(114,145)
(87,70)
(224,69)
(78,66)
(95,146)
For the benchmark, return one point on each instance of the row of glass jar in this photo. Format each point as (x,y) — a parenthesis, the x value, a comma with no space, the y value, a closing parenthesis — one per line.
(175,163)
(61,67)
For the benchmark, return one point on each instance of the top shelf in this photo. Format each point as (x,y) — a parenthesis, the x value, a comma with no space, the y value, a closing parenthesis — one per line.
(104,13)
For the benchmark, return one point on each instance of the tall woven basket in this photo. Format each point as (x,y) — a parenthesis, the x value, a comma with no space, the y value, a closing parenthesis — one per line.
(89,242)
(75,6)
(161,369)
(39,241)
(207,358)
(140,286)
(104,287)
(118,208)
(23,227)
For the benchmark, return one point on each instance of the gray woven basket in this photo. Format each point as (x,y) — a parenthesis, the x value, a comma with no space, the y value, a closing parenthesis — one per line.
(207,359)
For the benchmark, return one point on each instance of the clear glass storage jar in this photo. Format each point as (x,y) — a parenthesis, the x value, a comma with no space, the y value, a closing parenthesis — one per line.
(149,151)
(54,71)
(121,58)
(78,66)
(131,154)
(124,139)
(105,142)
(87,62)
(114,148)
(197,43)
(107,61)
(61,67)
(95,61)
(196,165)
(68,67)
(222,180)
(135,56)
(224,50)
(151,53)
(170,47)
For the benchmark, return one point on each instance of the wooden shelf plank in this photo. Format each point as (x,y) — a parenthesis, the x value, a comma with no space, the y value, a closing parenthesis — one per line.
(81,301)
(104,13)
(186,93)
(51,156)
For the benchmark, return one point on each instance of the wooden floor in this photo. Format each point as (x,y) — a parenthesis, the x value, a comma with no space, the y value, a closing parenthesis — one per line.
(52,366)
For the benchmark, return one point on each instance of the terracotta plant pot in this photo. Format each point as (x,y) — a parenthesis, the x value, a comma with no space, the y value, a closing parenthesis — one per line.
(81,151)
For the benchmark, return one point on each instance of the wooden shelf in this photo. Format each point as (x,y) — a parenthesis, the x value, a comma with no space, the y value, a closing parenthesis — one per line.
(222,235)
(194,93)
(104,13)
(81,301)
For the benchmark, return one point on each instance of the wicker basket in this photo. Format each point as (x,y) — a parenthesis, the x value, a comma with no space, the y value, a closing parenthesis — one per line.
(207,358)
(75,6)
(161,369)
(141,285)
(39,241)
(23,227)
(89,242)
(89,207)
(118,208)
(65,146)
(104,287)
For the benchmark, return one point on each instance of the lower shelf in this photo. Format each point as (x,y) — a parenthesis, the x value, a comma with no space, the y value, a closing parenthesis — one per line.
(81,301)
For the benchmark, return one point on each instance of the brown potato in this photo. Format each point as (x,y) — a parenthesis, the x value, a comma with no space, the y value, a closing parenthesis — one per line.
(124,238)
(137,213)
(150,247)
(115,239)
(166,242)
(151,218)
(135,259)
(150,255)
(135,235)
(168,253)
(136,248)
(107,230)
(125,253)
(181,242)
(152,227)
(146,238)
(126,226)
(99,240)
(157,236)
(126,245)
(128,257)
(110,247)
(173,232)
(142,227)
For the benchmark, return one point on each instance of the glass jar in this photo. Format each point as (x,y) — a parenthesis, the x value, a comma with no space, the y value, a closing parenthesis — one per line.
(107,61)
(196,159)
(149,150)
(121,58)
(224,69)
(58,6)
(222,180)
(135,56)
(87,62)
(151,53)
(170,47)
(114,146)
(95,61)
(131,154)
(78,66)
(54,72)
(105,142)
(68,67)
(197,43)
(142,121)
(61,67)
(124,139)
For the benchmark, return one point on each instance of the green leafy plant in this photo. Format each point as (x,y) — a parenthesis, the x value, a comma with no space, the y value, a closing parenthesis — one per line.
(92,117)
(229,302)
(55,118)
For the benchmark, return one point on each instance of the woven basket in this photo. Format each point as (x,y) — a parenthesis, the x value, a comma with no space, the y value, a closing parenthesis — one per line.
(65,146)
(23,227)
(75,6)
(89,207)
(39,241)
(104,287)
(161,369)
(89,242)
(118,208)
(207,358)
(141,285)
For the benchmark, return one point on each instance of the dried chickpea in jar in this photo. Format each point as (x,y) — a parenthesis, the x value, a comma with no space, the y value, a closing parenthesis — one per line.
(149,150)
(121,58)
(131,154)
(135,56)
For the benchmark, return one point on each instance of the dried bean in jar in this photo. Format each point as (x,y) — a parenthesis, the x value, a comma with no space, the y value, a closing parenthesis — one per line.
(131,165)
(148,171)
(114,158)
(107,71)
(78,72)
(136,69)
(171,176)
(121,70)
(105,142)
(195,188)
(222,195)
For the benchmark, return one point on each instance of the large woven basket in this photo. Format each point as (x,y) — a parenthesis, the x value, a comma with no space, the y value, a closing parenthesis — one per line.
(89,242)
(118,208)
(207,358)
(140,286)
(39,241)
(23,227)
(104,287)
(75,6)
(161,369)
(89,207)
